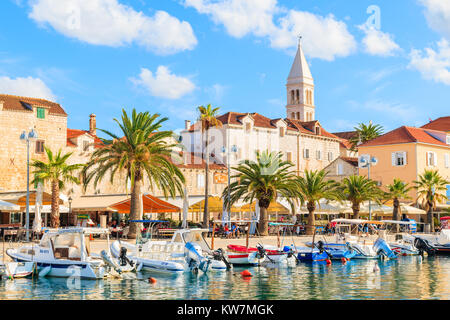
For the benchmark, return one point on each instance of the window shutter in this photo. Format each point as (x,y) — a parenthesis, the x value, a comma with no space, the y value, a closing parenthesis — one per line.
(405,161)
(447,160)
(434,159)
(393,159)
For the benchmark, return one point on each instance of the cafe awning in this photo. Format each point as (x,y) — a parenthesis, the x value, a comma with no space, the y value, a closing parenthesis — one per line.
(215,204)
(274,207)
(8,206)
(20,198)
(151,205)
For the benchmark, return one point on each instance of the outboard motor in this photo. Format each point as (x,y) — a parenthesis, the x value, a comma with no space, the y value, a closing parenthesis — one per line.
(194,258)
(424,246)
(123,259)
(219,256)
(262,253)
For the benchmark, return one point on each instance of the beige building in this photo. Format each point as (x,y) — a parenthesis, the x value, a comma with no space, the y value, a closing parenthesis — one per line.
(405,153)
(300,137)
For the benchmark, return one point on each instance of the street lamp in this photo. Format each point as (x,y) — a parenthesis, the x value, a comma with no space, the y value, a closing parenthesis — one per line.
(27,138)
(366,161)
(226,152)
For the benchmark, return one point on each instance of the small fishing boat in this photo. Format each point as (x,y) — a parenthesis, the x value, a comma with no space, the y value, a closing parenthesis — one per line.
(439,244)
(186,251)
(306,254)
(64,253)
(403,244)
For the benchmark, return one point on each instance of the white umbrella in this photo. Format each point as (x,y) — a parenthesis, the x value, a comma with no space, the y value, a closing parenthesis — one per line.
(185,209)
(37,223)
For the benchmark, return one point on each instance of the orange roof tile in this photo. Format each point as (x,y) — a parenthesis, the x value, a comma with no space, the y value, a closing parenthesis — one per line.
(440,124)
(405,135)
(74,133)
(14,103)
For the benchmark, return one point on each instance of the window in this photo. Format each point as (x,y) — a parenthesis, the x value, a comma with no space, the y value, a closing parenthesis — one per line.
(281,132)
(40,113)
(448,139)
(298,115)
(340,169)
(431,159)
(248,127)
(399,159)
(39,146)
(319,155)
(318,130)
(293,115)
(306,153)
(85,145)
(200,180)
(330,156)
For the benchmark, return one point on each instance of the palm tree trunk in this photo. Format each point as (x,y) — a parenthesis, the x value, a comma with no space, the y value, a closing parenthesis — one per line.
(395,212)
(135,209)
(206,209)
(355,208)
(311,218)
(430,219)
(263,225)
(54,216)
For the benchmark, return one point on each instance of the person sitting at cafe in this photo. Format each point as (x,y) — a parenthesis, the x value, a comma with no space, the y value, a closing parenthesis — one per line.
(234,230)
(227,231)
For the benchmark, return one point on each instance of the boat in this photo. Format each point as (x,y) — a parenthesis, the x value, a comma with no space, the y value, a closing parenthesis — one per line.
(186,251)
(438,244)
(14,270)
(64,253)
(306,254)
(403,244)
(364,248)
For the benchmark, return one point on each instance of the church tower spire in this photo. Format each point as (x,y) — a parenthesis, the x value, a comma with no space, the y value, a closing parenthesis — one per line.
(300,89)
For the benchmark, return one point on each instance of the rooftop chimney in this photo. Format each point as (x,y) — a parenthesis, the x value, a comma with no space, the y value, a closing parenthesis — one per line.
(187,124)
(92,125)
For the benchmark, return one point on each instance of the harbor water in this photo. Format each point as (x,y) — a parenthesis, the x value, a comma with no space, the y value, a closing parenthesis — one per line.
(403,278)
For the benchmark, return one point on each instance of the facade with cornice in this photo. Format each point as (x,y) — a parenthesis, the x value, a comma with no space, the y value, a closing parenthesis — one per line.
(299,136)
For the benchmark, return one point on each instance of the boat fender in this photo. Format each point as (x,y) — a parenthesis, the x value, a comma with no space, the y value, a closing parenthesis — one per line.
(343,260)
(246,274)
(140,266)
(152,280)
(45,271)
(328,261)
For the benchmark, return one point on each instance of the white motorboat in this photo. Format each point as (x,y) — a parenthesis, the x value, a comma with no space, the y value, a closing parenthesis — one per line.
(187,250)
(404,242)
(64,253)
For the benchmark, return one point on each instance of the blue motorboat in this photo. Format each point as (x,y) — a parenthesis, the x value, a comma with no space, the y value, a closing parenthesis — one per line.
(305,254)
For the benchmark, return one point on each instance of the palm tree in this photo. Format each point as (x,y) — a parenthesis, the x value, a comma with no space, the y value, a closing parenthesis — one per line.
(141,153)
(58,172)
(314,187)
(263,180)
(431,187)
(365,133)
(397,191)
(208,119)
(358,189)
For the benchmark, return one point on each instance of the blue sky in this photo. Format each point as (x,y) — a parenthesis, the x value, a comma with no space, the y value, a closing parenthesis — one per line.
(169,56)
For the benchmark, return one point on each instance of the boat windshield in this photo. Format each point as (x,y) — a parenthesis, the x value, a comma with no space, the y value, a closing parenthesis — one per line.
(67,246)
(196,237)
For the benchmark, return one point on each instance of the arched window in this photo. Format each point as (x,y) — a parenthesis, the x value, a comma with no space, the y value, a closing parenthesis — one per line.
(292,97)
(298,115)
(298,96)
(293,115)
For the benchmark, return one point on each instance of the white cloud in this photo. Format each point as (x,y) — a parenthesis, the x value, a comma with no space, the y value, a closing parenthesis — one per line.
(433,65)
(324,37)
(395,110)
(164,84)
(437,13)
(378,43)
(28,87)
(107,22)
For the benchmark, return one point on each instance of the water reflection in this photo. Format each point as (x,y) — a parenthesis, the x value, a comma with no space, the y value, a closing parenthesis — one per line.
(405,278)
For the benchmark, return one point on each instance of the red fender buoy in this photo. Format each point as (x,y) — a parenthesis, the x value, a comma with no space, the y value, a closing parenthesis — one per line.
(348,259)
(152,280)
(328,261)
(246,273)
(344,260)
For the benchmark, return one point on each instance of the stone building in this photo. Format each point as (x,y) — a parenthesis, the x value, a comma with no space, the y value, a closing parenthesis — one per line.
(300,137)
(341,168)
(19,114)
